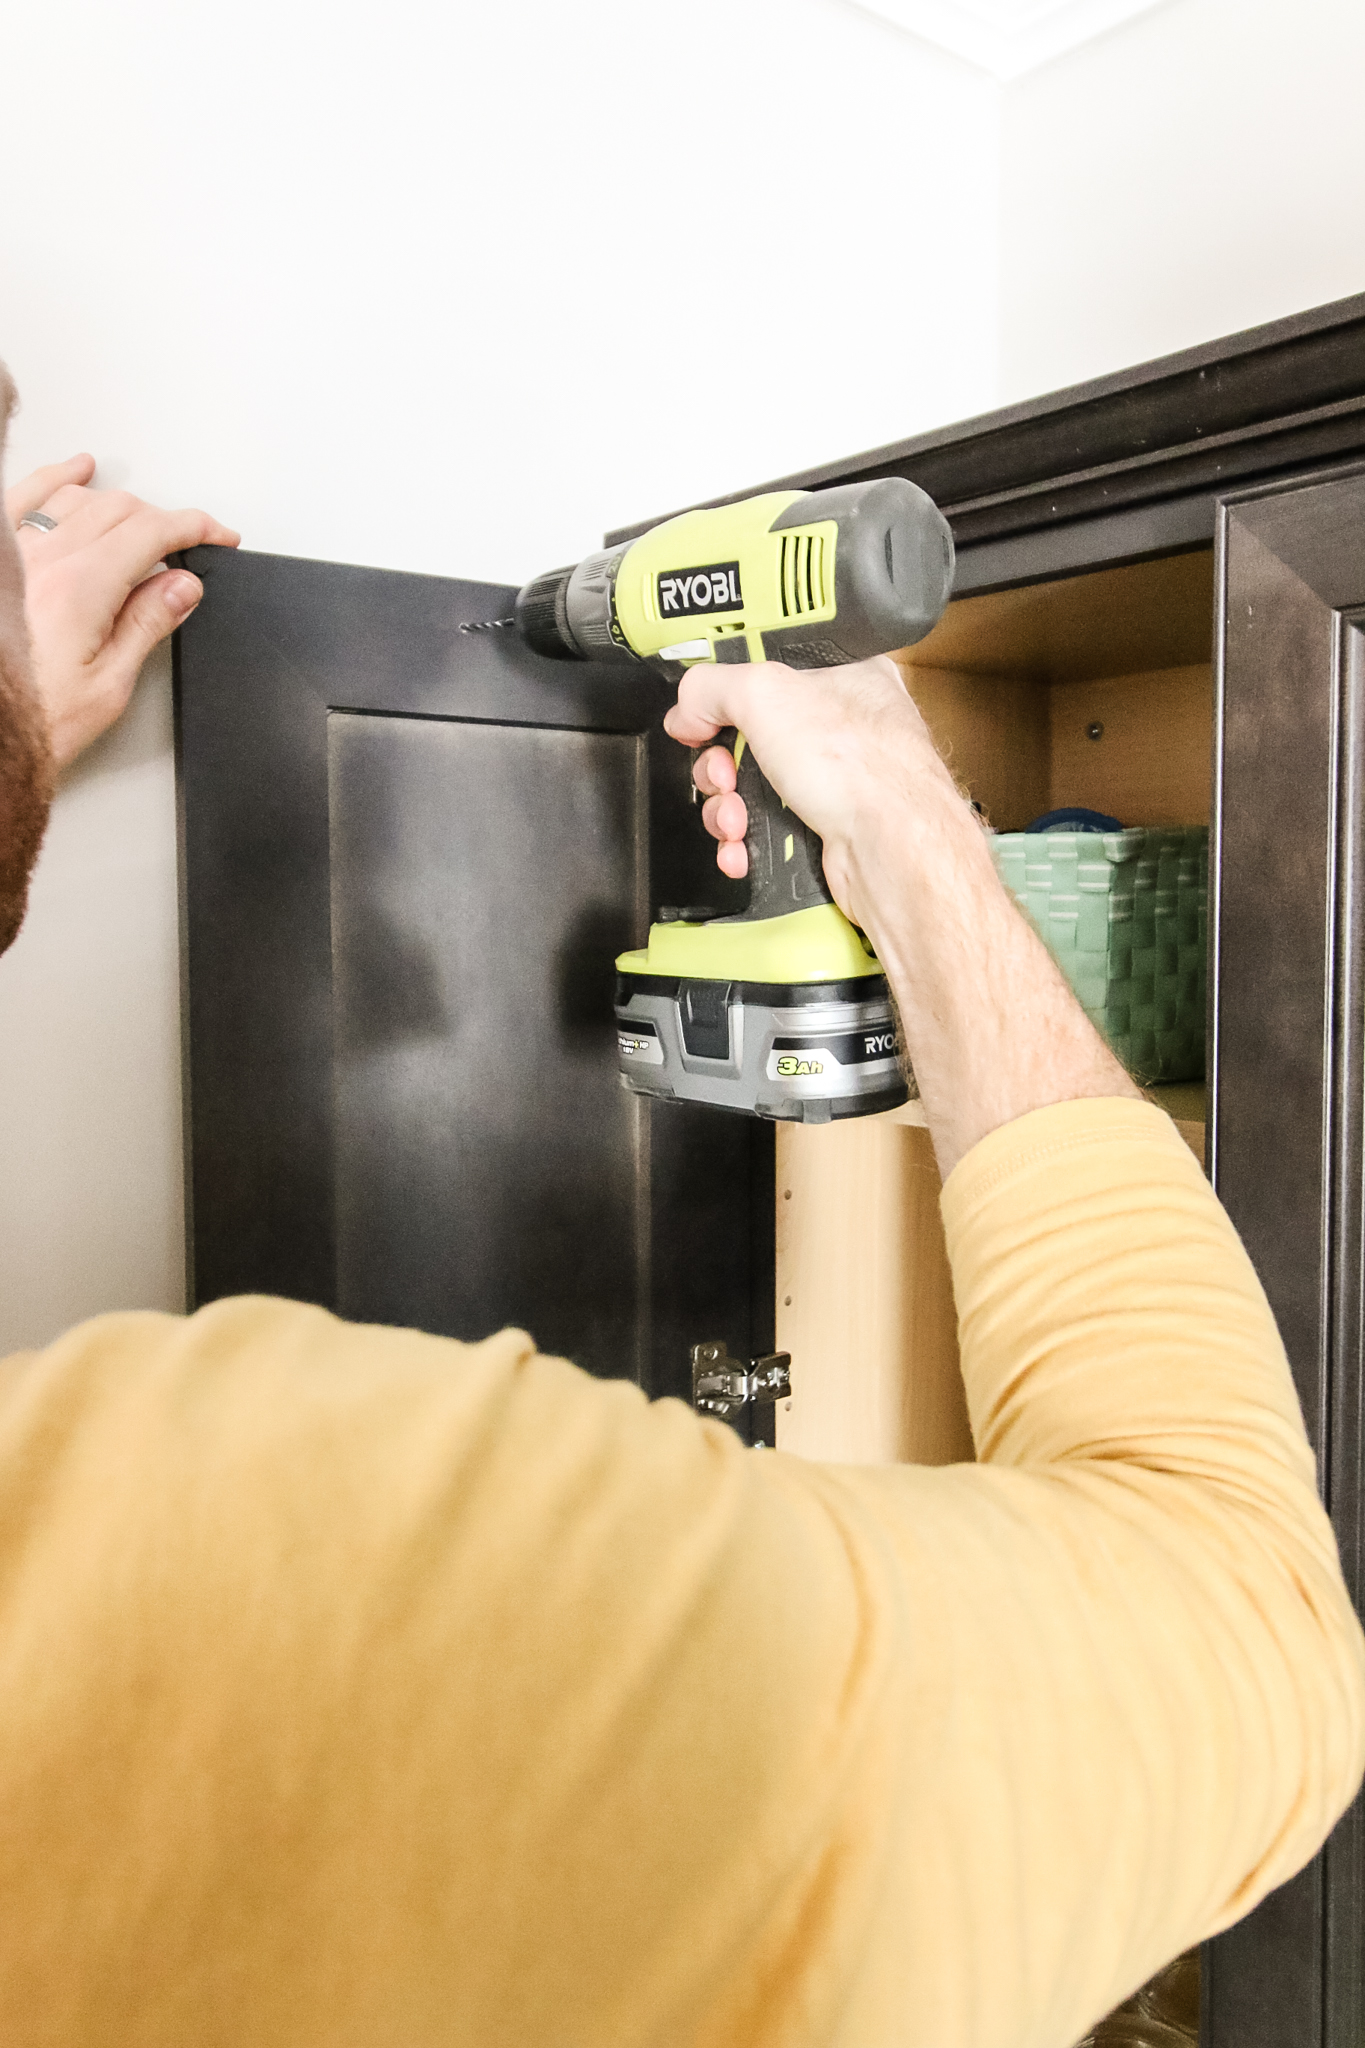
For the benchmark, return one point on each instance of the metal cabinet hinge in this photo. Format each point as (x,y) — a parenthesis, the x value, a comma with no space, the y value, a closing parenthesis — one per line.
(745,1396)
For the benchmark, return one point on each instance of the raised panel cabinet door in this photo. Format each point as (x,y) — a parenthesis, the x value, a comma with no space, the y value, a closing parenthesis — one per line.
(1287,1082)
(410,854)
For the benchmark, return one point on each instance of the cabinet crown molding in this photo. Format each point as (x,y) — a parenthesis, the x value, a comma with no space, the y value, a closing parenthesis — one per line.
(1007,37)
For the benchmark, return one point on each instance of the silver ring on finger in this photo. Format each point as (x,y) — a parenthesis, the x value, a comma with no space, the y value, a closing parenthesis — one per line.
(39,521)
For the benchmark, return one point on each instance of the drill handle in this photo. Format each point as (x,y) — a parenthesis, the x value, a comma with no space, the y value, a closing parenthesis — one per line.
(786,870)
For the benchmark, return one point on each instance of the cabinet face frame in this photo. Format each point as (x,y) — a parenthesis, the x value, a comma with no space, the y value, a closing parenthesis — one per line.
(1287,1085)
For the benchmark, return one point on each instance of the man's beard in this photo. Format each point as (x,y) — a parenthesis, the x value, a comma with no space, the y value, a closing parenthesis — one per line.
(26,773)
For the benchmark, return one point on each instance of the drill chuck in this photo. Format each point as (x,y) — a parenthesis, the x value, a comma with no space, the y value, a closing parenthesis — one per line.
(570,614)
(541,619)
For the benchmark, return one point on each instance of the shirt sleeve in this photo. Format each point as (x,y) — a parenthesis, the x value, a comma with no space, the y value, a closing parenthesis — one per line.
(358,1686)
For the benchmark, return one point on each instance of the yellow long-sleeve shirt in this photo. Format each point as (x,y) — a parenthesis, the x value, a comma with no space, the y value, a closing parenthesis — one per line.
(358,1687)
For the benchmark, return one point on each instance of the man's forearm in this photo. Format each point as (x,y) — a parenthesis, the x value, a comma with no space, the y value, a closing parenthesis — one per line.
(990,1026)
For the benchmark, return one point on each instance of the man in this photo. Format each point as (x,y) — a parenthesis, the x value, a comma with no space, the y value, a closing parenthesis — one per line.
(357,1686)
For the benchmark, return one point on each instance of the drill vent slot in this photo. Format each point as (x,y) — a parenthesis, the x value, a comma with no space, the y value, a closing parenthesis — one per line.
(803,574)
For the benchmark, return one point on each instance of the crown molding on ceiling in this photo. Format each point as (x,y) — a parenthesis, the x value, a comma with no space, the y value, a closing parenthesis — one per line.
(1007,37)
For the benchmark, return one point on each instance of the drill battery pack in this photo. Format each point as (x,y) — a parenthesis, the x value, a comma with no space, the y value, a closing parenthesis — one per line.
(808,1052)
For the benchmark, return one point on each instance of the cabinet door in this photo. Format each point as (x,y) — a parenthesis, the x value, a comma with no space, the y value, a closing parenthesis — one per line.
(1287,1081)
(410,855)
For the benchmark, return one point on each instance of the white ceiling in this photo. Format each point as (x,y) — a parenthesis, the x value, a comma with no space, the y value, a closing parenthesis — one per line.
(1007,37)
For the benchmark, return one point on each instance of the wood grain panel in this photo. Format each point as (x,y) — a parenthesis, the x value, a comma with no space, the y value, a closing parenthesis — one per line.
(993,733)
(1112,622)
(865,1298)
(1153,763)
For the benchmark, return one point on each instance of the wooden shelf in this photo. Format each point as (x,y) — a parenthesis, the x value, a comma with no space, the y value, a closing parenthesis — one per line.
(1183,1101)
(1185,1104)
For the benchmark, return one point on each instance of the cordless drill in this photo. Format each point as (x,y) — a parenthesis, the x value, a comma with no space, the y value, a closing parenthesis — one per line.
(781,1010)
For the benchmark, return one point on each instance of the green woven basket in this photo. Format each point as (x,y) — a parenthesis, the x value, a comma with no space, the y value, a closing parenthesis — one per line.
(1125,915)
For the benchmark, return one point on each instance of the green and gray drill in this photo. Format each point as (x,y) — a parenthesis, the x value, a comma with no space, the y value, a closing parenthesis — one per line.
(783,1009)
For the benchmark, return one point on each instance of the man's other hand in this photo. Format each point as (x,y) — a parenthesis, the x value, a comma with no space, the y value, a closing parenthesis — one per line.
(95,598)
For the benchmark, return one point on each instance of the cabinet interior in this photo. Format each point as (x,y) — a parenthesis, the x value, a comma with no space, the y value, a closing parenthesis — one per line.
(1013,685)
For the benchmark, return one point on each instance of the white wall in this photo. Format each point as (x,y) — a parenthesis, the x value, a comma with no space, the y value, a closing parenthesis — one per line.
(90,1172)
(1198,171)
(448,287)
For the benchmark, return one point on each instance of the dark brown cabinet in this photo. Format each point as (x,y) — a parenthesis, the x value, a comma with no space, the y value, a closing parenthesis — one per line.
(405,845)
(410,853)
